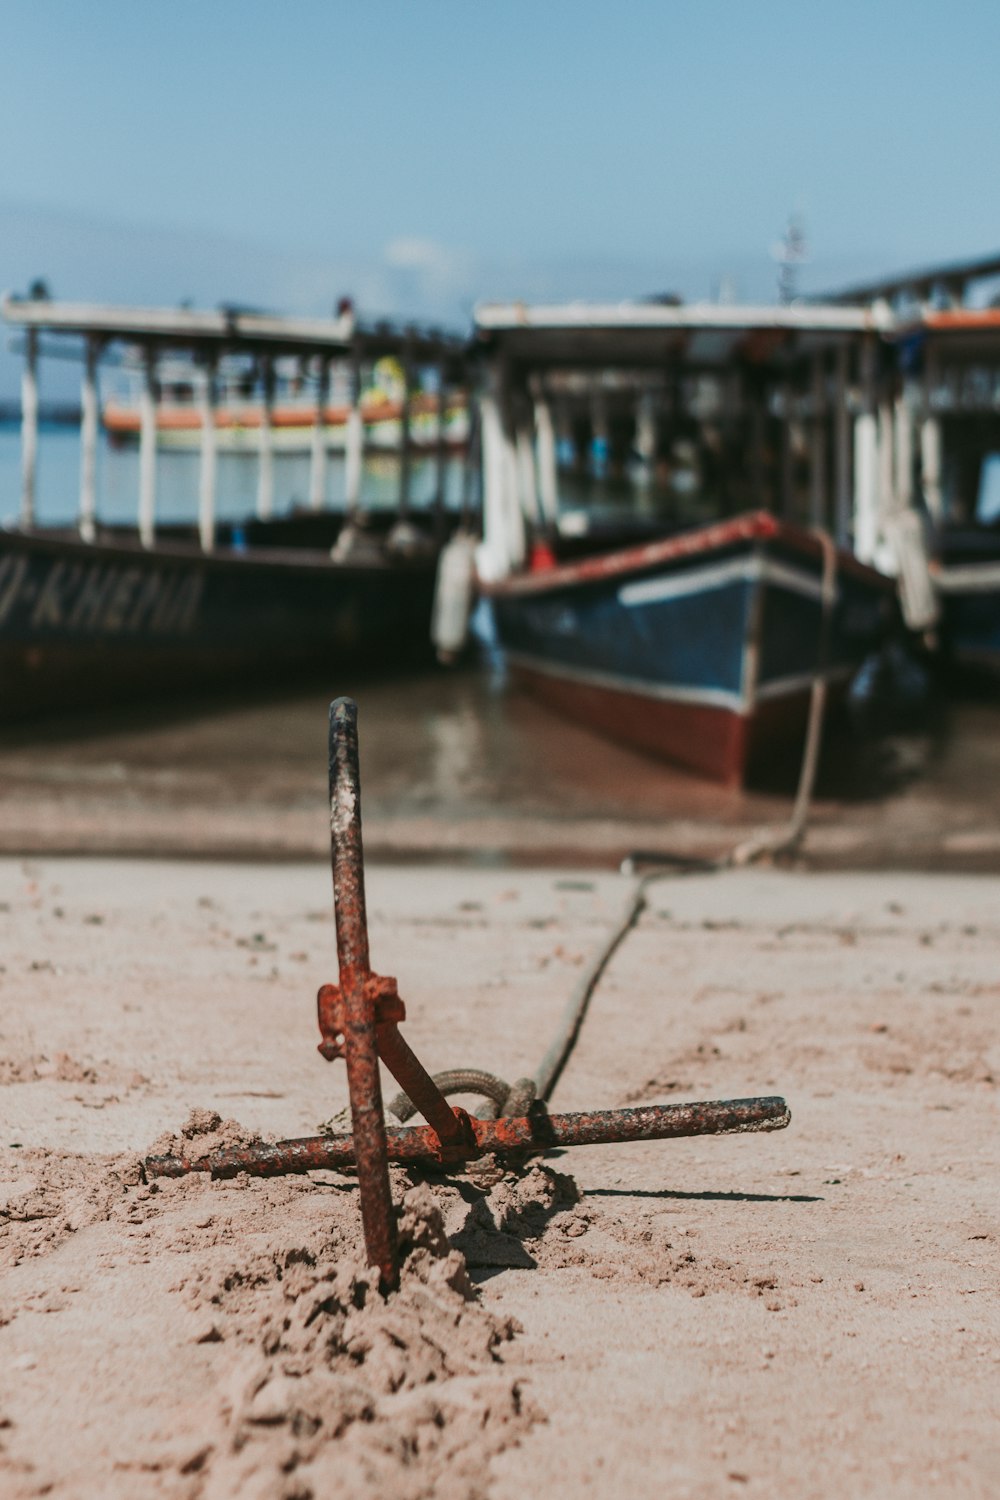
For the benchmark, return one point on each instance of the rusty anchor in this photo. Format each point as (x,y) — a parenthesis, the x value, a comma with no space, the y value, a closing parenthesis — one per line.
(359,1021)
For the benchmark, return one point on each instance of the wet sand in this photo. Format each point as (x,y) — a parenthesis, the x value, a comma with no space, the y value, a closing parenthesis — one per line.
(811,1313)
(456,767)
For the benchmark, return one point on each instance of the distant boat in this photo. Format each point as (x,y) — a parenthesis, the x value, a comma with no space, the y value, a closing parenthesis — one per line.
(239,412)
(99,613)
(91,623)
(702,647)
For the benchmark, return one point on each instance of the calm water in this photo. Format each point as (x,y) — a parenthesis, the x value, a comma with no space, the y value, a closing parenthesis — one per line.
(58,482)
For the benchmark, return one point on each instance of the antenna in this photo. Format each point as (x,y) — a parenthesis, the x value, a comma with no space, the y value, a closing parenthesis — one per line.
(791,253)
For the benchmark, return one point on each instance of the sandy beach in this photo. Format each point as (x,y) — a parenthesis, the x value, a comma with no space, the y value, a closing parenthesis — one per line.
(812,1312)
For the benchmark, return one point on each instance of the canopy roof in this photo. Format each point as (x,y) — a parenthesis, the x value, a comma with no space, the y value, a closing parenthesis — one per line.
(705,334)
(230,329)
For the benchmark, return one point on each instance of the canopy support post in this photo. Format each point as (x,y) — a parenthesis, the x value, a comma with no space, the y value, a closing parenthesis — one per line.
(317,465)
(866,475)
(441,476)
(147,449)
(817,445)
(841,449)
(930,441)
(29,428)
(354,442)
(88,442)
(545,441)
(206,479)
(265,472)
(404,440)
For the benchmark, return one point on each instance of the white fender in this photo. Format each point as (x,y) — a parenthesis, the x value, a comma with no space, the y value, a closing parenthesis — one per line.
(453,596)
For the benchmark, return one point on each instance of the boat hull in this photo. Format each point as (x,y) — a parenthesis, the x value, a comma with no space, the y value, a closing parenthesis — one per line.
(967,577)
(97,623)
(701,649)
(237,429)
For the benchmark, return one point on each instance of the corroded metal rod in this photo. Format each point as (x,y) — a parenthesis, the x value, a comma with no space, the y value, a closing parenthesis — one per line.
(534,1133)
(359,1039)
(451,1126)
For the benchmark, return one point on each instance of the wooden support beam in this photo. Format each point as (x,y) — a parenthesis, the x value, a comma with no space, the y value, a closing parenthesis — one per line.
(886,457)
(354,442)
(788,496)
(644,441)
(29,429)
(866,461)
(930,440)
(441,433)
(147,449)
(207,468)
(503,547)
(88,441)
(903,451)
(265,471)
(405,455)
(472,465)
(548,479)
(527,487)
(817,445)
(317,464)
(842,448)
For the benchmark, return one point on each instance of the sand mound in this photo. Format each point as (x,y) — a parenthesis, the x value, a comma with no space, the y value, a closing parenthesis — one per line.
(203,1132)
(345,1393)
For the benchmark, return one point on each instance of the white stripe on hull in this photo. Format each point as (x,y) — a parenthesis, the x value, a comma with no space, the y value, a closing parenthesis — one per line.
(753,569)
(968,578)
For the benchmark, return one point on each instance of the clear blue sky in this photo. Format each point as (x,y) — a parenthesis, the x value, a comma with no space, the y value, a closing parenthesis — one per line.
(425,154)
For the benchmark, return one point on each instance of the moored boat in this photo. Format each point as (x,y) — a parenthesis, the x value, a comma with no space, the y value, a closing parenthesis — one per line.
(716,440)
(96,613)
(98,622)
(701,647)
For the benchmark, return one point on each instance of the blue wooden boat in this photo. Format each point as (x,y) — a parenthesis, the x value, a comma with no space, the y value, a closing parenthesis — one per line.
(702,647)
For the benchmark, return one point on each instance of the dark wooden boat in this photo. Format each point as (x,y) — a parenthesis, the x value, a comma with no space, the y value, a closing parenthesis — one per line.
(97,613)
(702,647)
(94,622)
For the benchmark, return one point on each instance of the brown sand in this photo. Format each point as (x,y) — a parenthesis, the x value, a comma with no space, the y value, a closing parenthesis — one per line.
(813,1313)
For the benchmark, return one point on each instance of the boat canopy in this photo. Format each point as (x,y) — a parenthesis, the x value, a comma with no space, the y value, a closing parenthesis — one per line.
(234,329)
(637,334)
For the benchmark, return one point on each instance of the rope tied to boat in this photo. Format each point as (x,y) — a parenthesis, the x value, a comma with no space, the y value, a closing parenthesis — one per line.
(790,837)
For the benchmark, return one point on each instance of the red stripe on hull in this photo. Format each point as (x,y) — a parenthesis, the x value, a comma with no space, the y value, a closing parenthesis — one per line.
(712,741)
(719,743)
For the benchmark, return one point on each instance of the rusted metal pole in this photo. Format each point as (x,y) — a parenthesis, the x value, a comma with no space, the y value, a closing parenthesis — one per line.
(536,1133)
(360,1050)
(452,1127)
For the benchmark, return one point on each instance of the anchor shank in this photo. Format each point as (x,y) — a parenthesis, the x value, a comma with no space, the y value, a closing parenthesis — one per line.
(360,1049)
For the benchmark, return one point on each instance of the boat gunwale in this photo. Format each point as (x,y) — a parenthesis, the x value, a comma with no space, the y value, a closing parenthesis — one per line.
(129,549)
(757,525)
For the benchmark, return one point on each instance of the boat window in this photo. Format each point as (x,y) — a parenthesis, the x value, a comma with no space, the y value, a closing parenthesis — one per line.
(988,499)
